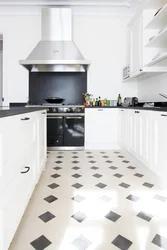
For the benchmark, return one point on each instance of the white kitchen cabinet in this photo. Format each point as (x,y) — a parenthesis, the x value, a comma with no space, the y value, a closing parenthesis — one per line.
(19,171)
(133,132)
(158,144)
(123,128)
(136,47)
(101,128)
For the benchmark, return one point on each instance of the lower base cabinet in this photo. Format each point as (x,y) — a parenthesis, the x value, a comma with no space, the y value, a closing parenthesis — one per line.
(28,167)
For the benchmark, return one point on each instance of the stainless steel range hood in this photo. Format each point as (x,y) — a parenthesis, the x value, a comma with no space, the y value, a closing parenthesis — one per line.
(56,52)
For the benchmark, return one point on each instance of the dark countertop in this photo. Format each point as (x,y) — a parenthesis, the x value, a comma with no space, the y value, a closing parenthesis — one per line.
(161,109)
(8,111)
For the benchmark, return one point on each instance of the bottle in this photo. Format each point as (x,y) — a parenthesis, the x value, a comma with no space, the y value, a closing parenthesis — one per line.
(119,100)
(99,102)
(96,103)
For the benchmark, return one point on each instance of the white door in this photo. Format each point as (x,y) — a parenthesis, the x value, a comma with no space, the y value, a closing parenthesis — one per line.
(123,128)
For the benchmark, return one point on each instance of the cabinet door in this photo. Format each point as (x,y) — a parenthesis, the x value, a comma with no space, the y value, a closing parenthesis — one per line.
(101,125)
(133,135)
(136,47)
(143,143)
(123,128)
(158,141)
(42,138)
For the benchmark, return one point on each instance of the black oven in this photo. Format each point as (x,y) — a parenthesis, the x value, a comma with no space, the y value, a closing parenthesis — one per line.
(65,128)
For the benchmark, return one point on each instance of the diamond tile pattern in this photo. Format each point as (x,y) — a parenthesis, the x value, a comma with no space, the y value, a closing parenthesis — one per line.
(124,185)
(149,185)
(77,185)
(53,185)
(55,175)
(132,198)
(50,199)
(79,217)
(101,185)
(97,200)
(97,175)
(41,243)
(81,243)
(160,241)
(145,216)
(122,243)
(76,175)
(112,216)
(46,217)
(78,198)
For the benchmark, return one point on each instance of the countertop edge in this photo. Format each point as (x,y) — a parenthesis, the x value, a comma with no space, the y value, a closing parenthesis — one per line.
(161,109)
(17,111)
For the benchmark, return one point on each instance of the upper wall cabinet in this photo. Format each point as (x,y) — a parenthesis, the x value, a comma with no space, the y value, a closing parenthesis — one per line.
(148,42)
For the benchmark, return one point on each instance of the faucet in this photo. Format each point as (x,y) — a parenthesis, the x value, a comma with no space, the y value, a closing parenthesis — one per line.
(163,95)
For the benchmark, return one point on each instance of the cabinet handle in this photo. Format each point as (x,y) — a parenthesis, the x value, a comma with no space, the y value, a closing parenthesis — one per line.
(100,109)
(43,113)
(163,115)
(122,110)
(55,117)
(73,117)
(24,172)
(25,119)
(137,112)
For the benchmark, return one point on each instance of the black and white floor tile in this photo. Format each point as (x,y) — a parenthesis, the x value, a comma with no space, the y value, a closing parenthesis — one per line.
(97,200)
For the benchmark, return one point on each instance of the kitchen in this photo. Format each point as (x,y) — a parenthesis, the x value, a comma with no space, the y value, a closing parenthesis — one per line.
(117,172)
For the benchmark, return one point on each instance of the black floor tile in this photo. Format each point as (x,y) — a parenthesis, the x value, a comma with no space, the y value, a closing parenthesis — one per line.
(57,168)
(53,185)
(138,175)
(75,168)
(108,161)
(78,198)
(145,216)
(122,243)
(149,185)
(132,168)
(41,243)
(75,162)
(81,243)
(79,217)
(55,175)
(105,156)
(112,216)
(90,156)
(92,161)
(118,175)
(77,185)
(59,157)
(46,216)
(132,198)
(75,157)
(124,185)
(97,175)
(101,185)
(125,161)
(50,199)
(160,198)
(113,168)
(76,175)
(58,162)
(120,156)
(160,241)
(95,168)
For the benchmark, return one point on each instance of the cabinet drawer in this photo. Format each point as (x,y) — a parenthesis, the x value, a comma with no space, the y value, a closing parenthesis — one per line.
(16,136)
(15,197)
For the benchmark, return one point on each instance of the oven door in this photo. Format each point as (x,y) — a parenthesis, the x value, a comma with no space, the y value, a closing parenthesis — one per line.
(54,131)
(74,131)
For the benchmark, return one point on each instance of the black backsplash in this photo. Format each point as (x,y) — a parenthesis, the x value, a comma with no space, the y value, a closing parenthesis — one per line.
(68,85)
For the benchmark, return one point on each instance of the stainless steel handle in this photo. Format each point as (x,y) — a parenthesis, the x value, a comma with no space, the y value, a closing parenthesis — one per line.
(25,172)
(55,117)
(43,113)
(73,117)
(99,109)
(163,115)
(137,112)
(25,119)
(122,110)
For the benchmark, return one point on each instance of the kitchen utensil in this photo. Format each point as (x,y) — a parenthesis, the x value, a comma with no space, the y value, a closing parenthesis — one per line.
(54,100)
(158,11)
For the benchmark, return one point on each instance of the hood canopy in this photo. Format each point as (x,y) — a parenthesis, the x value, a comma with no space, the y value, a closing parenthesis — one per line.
(56,52)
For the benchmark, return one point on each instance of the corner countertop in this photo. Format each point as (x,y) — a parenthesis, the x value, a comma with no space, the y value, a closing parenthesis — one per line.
(8,111)
(161,109)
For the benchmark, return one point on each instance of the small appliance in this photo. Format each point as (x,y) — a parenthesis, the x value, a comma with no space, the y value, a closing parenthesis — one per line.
(130,101)
(126,72)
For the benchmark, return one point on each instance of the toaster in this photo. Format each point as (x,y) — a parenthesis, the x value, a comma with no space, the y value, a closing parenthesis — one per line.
(130,101)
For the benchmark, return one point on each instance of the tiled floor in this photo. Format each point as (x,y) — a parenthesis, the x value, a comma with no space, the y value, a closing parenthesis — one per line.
(94,201)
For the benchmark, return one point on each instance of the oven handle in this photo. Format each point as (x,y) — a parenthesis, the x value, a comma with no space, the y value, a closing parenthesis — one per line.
(55,117)
(74,117)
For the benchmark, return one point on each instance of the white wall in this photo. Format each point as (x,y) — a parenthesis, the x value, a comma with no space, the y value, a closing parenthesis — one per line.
(149,89)
(102,39)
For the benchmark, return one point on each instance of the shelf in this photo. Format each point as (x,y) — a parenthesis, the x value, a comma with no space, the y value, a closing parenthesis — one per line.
(159,41)
(158,62)
(159,21)
(146,74)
